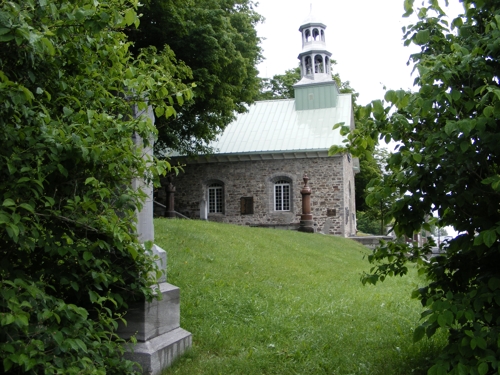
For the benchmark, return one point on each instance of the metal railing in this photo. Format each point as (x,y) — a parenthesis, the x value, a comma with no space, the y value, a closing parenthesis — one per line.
(177,214)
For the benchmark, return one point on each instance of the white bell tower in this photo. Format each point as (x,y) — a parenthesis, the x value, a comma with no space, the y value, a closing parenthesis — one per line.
(316,88)
(314,58)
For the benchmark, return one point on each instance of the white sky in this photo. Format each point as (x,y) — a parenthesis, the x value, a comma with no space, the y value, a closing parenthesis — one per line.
(364,37)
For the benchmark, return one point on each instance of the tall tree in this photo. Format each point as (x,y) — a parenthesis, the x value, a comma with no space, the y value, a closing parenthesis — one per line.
(217,40)
(374,202)
(448,162)
(280,86)
(70,260)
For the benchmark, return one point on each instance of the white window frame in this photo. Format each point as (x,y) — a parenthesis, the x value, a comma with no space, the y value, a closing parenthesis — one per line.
(282,199)
(215,198)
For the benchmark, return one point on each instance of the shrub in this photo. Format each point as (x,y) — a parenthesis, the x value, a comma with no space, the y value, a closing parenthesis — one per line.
(70,261)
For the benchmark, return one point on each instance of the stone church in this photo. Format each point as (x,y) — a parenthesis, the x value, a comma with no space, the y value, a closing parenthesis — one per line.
(256,173)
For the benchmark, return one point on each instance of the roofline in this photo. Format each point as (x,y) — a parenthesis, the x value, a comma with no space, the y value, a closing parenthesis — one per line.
(312,24)
(317,83)
(272,100)
(253,156)
(315,50)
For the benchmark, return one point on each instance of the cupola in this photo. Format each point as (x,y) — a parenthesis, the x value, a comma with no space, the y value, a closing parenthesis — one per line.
(316,88)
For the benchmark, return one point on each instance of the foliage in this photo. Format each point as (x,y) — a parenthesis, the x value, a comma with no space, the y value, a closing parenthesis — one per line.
(436,231)
(447,161)
(70,261)
(280,86)
(369,169)
(368,224)
(217,40)
(372,195)
(263,301)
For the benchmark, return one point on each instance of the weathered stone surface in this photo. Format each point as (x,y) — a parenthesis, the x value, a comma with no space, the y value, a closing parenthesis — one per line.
(331,181)
(158,353)
(161,261)
(150,319)
(372,241)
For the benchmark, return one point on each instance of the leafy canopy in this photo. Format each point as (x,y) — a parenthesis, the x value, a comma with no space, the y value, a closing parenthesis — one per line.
(70,261)
(218,43)
(447,163)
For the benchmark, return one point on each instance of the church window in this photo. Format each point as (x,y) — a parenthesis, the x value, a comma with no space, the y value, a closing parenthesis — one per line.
(308,65)
(215,198)
(315,34)
(282,195)
(307,35)
(318,64)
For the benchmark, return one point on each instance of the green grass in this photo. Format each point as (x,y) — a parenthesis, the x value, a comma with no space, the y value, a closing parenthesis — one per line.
(263,301)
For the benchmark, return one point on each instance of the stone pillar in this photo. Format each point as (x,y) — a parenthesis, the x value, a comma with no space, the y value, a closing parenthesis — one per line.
(170,200)
(156,324)
(306,219)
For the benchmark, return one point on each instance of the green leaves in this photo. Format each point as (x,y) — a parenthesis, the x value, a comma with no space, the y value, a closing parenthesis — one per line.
(422,37)
(219,49)
(130,17)
(446,163)
(487,237)
(419,333)
(67,207)
(8,203)
(408,6)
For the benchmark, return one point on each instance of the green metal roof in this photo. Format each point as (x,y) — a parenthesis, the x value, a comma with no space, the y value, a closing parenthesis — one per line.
(275,126)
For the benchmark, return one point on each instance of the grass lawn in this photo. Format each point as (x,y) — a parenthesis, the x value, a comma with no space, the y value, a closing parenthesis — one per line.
(264,301)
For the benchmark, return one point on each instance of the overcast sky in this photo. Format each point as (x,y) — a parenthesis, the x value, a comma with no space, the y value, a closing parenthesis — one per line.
(364,37)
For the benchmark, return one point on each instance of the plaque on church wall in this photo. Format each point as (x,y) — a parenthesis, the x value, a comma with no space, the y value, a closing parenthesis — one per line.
(331,212)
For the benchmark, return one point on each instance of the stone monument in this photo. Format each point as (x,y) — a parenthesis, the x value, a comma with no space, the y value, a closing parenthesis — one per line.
(156,324)
(306,219)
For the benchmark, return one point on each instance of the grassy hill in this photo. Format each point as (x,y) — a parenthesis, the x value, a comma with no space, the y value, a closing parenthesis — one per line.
(263,301)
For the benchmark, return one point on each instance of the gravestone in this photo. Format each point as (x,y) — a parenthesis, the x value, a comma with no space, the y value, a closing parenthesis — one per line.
(156,324)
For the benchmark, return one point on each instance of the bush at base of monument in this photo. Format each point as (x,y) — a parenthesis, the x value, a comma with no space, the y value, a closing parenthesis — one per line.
(70,261)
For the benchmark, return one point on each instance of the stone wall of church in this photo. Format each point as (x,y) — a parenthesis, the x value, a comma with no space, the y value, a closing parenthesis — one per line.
(329,177)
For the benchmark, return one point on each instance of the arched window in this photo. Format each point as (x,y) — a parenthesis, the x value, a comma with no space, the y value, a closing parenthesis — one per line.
(215,198)
(315,34)
(307,35)
(318,64)
(282,195)
(308,65)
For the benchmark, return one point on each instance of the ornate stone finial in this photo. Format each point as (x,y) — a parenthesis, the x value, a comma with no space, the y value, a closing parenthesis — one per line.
(306,189)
